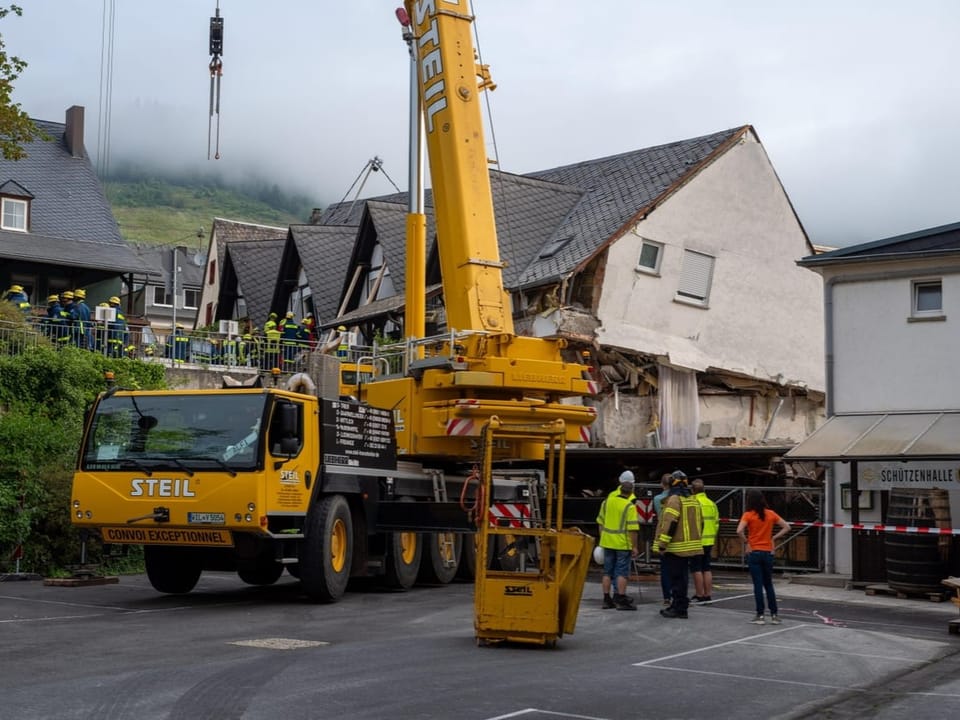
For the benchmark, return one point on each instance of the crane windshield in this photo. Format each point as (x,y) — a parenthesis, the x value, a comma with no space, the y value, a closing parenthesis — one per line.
(187,432)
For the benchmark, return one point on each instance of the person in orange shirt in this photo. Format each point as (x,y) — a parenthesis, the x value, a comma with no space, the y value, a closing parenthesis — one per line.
(756,530)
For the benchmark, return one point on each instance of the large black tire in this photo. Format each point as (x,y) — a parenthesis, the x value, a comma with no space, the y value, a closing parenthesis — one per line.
(172,570)
(261,571)
(326,553)
(404,550)
(441,558)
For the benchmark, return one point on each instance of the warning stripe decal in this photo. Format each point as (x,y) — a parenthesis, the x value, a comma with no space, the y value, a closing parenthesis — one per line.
(514,513)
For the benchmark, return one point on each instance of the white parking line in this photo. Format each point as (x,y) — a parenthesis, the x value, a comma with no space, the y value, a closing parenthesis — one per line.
(826,686)
(718,645)
(44,619)
(527,711)
(872,656)
(61,602)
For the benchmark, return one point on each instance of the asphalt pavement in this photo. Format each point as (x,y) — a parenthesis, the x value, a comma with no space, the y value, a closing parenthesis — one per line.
(230,651)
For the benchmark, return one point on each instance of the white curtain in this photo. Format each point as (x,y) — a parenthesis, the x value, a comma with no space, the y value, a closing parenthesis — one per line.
(679,408)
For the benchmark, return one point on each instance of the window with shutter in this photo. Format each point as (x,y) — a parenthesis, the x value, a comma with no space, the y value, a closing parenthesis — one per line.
(696,276)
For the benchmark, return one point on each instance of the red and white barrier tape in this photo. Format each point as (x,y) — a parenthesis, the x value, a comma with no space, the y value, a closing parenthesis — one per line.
(875,527)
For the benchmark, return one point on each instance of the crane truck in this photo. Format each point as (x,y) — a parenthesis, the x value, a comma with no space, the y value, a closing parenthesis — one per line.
(261,479)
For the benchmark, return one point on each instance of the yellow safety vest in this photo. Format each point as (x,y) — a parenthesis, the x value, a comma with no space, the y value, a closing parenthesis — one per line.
(617,519)
(711,519)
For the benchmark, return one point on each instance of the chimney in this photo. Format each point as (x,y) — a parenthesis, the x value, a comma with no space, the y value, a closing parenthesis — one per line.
(74,132)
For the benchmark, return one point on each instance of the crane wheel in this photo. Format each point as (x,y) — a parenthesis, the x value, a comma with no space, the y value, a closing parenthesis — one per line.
(404,550)
(441,558)
(326,553)
(172,570)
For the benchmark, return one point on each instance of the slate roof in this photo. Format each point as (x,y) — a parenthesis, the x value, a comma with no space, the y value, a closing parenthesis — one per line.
(932,242)
(227,231)
(159,258)
(255,264)
(71,223)
(574,210)
(325,252)
(617,191)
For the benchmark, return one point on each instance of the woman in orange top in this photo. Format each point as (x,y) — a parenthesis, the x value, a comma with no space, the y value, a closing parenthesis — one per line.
(756,530)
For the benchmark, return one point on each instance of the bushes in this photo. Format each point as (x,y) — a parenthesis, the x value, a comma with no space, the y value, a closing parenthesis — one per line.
(43,395)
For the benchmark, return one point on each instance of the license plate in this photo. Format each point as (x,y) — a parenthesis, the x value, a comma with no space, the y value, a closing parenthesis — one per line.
(167,536)
(206,518)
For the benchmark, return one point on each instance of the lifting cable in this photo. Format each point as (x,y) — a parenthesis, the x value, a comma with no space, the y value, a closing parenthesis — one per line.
(216,72)
(105,109)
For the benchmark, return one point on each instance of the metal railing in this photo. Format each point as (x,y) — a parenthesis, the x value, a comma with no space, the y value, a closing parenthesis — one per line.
(195,348)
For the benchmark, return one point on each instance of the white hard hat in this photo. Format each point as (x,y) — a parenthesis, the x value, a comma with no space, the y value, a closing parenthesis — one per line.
(598,555)
(626,477)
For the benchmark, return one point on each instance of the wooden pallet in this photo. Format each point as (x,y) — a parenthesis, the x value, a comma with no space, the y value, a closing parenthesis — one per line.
(932,596)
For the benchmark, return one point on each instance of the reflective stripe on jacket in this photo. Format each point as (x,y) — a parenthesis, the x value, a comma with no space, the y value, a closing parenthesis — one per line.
(685,539)
(617,518)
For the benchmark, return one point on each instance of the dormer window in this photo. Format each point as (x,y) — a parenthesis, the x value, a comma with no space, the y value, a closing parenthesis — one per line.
(13,215)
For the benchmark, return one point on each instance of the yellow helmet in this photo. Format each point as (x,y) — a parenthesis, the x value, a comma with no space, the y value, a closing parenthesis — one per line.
(114,300)
(103,304)
(53,298)
(289,314)
(342,328)
(80,294)
(16,288)
(67,295)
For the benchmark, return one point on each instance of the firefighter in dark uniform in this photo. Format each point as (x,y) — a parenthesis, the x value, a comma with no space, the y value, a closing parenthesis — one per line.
(117,330)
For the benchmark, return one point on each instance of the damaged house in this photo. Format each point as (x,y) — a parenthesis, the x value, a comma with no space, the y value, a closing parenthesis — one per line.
(672,267)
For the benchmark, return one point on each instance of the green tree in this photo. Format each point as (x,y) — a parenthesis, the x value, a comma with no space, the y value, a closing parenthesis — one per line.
(16,128)
(43,393)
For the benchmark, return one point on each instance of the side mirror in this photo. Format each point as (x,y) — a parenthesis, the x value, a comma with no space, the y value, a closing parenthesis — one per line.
(289,422)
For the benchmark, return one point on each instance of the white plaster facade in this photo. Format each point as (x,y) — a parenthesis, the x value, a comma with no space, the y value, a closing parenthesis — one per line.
(762,319)
(764,315)
(886,357)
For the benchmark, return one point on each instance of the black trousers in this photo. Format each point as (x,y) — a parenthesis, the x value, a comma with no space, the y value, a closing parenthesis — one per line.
(678,570)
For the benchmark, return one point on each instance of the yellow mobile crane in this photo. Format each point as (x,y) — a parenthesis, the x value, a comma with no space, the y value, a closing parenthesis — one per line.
(259,480)
(482,390)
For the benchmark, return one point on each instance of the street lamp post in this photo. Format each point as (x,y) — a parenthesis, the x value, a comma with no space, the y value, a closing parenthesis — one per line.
(176,274)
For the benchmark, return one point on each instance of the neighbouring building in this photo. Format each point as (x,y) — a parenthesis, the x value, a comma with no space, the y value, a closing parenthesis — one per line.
(222,233)
(57,231)
(892,438)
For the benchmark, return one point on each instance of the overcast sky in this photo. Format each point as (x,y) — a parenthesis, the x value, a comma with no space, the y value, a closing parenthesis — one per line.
(856,101)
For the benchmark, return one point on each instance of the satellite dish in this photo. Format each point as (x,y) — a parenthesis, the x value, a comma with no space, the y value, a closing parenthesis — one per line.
(199,259)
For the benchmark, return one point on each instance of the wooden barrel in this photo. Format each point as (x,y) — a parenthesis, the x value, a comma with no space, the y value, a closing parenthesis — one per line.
(917,563)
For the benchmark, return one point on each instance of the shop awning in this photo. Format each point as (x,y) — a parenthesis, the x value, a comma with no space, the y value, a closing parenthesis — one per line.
(884,436)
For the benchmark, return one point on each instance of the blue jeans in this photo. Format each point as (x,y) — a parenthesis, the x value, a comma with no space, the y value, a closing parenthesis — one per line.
(760,563)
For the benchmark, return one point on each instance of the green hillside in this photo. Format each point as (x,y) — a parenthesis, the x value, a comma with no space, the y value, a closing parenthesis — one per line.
(162,211)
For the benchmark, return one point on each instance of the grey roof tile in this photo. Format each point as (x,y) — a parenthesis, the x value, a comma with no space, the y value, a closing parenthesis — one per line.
(324,252)
(255,263)
(227,231)
(71,223)
(160,257)
(944,239)
(578,208)
(616,190)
